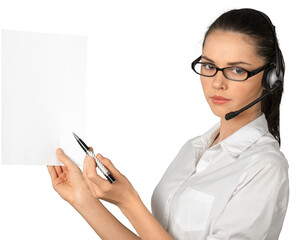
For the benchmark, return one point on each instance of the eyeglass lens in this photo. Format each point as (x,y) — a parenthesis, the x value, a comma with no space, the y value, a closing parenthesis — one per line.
(233,73)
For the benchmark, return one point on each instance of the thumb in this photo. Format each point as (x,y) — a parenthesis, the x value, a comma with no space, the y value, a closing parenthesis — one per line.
(64,159)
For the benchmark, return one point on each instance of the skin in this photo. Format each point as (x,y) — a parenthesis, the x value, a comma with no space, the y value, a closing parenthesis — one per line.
(224,48)
(82,189)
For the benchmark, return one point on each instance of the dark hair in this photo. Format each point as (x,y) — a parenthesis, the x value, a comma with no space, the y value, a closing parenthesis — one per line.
(253,24)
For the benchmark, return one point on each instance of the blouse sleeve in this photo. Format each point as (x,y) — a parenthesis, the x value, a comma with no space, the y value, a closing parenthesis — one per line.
(258,206)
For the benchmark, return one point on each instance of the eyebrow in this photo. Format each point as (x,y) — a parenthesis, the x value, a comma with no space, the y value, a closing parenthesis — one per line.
(229,63)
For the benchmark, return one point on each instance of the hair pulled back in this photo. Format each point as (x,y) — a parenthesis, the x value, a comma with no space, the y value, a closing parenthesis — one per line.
(252,23)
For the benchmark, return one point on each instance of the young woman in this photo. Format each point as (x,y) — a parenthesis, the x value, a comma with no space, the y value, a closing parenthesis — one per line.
(229,183)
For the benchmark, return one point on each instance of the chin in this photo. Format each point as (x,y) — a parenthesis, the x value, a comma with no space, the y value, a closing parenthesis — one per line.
(220,115)
(219,112)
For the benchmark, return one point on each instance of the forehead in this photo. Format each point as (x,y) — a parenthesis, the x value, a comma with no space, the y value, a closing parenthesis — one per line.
(227,46)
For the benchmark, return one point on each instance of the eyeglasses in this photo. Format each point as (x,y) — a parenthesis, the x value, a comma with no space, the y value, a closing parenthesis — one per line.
(231,73)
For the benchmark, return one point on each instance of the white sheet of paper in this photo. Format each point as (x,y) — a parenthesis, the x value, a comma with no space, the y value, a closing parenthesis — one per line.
(43,96)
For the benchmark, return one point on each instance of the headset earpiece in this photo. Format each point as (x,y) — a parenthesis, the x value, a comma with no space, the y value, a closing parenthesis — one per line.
(270,77)
(274,72)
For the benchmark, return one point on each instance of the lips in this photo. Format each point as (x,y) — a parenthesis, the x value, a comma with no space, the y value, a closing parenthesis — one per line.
(219,99)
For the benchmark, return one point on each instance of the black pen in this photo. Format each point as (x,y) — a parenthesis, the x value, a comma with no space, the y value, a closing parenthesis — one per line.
(88,151)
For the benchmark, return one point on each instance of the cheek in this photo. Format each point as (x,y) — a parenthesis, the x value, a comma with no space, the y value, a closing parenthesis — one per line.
(246,93)
(206,85)
(240,90)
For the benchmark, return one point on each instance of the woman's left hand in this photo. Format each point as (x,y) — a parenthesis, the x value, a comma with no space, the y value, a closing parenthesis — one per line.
(121,192)
(68,180)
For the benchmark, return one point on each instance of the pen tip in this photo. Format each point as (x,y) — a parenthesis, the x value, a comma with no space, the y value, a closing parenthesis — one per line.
(75,135)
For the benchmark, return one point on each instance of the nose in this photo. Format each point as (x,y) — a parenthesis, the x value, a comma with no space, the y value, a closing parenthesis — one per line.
(220,81)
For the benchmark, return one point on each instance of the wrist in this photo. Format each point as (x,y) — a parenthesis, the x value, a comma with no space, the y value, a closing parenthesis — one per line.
(131,203)
(83,201)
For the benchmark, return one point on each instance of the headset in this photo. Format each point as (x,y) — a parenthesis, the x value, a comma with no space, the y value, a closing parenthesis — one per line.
(273,76)
(274,73)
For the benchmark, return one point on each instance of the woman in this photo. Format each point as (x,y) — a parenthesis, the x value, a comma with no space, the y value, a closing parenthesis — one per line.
(229,183)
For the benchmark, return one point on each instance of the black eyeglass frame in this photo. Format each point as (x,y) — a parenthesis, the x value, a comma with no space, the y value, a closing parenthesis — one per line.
(250,73)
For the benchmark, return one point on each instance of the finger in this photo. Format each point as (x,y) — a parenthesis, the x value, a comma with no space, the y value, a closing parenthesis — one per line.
(88,160)
(85,162)
(52,172)
(64,159)
(58,170)
(85,165)
(91,173)
(64,168)
(109,165)
(92,186)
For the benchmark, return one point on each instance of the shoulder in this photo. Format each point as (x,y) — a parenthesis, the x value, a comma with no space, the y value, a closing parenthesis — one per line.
(265,158)
(266,167)
(267,151)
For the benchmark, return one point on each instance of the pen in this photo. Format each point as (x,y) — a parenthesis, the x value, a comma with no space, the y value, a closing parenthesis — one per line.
(88,151)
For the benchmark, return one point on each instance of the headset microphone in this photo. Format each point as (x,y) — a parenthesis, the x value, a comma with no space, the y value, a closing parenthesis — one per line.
(231,115)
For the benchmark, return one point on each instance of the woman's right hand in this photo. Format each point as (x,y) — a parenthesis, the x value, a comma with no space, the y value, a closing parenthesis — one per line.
(68,180)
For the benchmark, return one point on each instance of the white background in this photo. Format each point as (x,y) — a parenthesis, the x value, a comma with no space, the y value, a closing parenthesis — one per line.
(144,98)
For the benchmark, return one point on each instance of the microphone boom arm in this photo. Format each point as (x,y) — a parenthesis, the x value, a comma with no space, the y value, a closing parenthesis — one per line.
(231,115)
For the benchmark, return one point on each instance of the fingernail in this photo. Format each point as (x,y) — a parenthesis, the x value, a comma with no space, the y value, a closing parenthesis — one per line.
(60,151)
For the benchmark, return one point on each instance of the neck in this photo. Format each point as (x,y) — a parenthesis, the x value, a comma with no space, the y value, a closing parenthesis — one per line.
(227,128)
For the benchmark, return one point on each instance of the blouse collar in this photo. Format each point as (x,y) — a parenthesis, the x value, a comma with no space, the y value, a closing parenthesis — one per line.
(237,142)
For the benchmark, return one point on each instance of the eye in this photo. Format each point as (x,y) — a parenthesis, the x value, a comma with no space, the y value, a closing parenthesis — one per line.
(237,70)
(208,66)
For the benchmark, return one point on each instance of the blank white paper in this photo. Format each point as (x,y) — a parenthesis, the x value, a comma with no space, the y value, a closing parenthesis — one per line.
(43,96)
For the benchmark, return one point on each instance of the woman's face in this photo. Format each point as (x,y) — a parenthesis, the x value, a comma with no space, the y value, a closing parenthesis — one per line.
(226,49)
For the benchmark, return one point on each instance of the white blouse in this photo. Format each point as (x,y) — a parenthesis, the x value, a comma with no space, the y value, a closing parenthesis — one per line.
(237,189)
